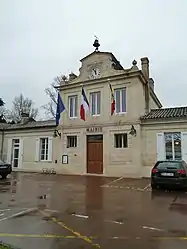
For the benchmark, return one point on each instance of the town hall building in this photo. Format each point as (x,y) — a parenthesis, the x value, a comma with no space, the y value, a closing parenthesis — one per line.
(127,143)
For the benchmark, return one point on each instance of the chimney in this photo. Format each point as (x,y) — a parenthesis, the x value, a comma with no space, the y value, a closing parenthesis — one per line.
(24,117)
(145,71)
(151,83)
(145,67)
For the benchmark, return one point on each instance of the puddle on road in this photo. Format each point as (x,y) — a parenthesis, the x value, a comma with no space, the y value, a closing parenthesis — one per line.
(3,190)
(46,218)
(5,183)
(178,233)
(178,206)
(11,205)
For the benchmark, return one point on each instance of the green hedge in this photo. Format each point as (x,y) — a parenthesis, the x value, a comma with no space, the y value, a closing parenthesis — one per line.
(5,247)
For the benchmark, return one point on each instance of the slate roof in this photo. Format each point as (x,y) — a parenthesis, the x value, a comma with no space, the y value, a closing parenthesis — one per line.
(29,125)
(164,113)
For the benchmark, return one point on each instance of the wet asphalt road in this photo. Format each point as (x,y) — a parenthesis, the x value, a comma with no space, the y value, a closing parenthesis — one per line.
(53,212)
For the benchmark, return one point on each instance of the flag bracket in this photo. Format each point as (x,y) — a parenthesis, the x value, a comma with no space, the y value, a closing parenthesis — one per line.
(57,133)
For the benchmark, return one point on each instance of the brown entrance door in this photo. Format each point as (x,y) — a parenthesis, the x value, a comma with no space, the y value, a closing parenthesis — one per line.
(95,154)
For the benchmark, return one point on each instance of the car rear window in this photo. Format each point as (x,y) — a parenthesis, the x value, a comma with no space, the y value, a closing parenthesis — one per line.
(163,165)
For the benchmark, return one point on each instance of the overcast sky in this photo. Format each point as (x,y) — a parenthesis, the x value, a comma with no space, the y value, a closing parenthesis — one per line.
(41,39)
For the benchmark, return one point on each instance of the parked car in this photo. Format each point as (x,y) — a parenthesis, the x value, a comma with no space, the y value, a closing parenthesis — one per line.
(169,173)
(5,169)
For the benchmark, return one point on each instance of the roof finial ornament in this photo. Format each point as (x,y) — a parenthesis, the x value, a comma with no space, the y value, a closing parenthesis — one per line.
(134,66)
(134,63)
(96,44)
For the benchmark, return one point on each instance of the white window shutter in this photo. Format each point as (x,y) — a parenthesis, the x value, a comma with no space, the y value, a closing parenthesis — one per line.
(50,149)
(184,146)
(37,153)
(161,155)
(9,151)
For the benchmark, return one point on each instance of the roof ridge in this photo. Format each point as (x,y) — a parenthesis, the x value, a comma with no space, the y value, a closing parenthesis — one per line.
(166,108)
(170,112)
(174,107)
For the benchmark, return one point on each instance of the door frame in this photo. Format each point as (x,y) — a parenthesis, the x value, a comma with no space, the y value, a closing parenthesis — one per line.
(20,159)
(87,135)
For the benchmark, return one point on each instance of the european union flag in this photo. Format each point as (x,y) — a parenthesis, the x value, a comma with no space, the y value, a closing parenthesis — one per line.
(60,108)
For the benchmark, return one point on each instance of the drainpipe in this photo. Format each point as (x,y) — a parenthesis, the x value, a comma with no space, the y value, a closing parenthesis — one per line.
(2,143)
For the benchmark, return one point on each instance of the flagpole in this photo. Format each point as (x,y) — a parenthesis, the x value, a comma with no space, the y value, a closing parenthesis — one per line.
(112,98)
(84,104)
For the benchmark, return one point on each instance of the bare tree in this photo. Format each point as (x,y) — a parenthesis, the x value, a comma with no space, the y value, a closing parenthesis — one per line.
(52,92)
(3,112)
(1,102)
(22,105)
(2,109)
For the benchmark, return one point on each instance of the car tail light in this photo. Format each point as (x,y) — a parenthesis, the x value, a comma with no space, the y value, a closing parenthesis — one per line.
(154,170)
(181,171)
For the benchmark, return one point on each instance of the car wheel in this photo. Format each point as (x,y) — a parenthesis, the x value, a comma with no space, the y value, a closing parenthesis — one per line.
(154,186)
(4,176)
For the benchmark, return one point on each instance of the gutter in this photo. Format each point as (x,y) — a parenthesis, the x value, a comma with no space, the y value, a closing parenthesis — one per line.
(29,128)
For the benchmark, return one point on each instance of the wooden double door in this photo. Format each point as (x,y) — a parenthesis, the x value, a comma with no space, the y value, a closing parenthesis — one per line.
(95,154)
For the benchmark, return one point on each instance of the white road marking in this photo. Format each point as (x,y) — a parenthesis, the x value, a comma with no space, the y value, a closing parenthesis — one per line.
(113,221)
(51,210)
(128,187)
(116,180)
(29,210)
(86,217)
(81,216)
(146,187)
(2,214)
(152,228)
(3,210)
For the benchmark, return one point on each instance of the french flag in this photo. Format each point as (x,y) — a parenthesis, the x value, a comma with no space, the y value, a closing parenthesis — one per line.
(84,105)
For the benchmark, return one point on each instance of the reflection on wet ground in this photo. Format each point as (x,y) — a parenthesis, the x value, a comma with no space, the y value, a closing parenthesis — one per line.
(53,211)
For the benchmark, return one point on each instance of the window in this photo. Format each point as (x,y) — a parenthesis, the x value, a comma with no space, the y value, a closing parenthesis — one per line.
(15,141)
(120,140)
(95,103)
(73,106)
(44,147)
(173,146)
(71,141)
(120,97)
(165,165)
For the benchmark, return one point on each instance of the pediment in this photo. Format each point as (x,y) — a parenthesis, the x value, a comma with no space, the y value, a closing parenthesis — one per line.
(104,61)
